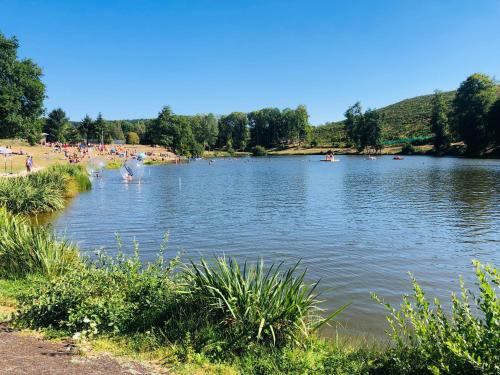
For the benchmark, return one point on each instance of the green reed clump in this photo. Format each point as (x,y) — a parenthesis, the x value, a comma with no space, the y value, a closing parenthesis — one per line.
(250,305)
(26,249)
(75,172)
(427,341)
(44,191)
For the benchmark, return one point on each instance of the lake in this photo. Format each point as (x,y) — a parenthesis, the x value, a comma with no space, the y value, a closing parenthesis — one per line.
(358,225)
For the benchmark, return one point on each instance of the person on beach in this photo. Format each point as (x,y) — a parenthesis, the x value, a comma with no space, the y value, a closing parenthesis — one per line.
(29,164)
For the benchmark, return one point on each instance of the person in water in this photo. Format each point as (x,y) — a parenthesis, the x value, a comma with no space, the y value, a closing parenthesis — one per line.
(329,155)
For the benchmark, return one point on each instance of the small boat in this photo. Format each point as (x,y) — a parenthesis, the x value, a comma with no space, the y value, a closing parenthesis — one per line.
(397,157)
(371,157)
(330,160)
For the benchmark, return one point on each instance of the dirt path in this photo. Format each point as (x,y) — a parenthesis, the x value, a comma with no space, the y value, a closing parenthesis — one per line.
(20,354)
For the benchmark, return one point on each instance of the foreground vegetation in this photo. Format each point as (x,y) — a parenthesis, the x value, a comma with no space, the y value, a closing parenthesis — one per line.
(218,316)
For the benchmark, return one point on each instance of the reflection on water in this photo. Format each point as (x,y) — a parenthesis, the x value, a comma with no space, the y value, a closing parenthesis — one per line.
(358,225)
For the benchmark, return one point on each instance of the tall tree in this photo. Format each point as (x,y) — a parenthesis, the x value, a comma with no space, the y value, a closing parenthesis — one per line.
(494,122)
(175,132)
(21,93)
(113,131)
(99,128)
(159,130)
(372,130)
(205,129)
(471,106)
(302,123)
(353,122)
(86,128)
(56,126)
(439,122)
(234,127)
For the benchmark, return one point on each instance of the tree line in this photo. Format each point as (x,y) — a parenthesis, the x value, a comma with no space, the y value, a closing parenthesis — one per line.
(472,117)
(189,135)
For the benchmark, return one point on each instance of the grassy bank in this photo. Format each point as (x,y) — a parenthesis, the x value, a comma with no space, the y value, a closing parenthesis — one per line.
(44,191)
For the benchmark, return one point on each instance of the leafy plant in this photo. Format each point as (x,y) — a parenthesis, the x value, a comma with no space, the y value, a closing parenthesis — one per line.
(251,305)
(109,295)
(426,340)
(259,151)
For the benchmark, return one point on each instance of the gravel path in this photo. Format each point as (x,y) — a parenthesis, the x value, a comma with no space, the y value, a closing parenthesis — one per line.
(20,354)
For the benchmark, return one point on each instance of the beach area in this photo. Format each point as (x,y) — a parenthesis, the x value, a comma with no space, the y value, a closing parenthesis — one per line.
(56,154)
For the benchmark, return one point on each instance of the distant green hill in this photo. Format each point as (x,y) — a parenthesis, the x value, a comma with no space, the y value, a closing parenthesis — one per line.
(409,118)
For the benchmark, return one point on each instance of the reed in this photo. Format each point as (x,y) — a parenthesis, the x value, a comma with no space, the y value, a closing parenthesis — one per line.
(44,191)
(253,304)
(27,250)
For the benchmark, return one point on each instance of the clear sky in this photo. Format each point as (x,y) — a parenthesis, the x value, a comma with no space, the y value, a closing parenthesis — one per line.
(129,58)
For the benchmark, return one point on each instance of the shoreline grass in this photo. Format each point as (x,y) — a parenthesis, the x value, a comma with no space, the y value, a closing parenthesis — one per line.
(44,191)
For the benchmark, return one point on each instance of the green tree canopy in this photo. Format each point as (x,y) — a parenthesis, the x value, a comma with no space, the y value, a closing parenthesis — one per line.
(494,122)
(474,99)
(439,122)
(21,93)
(86,128)
(99,129)
(132,138)
(175,132)
(234,127)
(363,129)
(56,126)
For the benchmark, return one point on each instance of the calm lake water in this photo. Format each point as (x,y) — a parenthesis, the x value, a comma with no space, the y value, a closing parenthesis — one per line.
(358,225)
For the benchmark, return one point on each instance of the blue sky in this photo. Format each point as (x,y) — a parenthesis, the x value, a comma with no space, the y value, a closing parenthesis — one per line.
(129,58)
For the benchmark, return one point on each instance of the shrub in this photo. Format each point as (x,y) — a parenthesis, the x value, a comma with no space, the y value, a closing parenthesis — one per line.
(26,249)
(132,138)
(259,151)
(426,341)
(408,149)
(108,295)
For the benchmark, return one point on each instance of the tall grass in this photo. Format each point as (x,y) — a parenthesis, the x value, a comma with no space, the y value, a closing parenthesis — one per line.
(250,304)
(44,191)
(27,250)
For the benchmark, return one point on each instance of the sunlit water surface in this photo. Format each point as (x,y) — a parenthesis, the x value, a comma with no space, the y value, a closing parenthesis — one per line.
(358,225)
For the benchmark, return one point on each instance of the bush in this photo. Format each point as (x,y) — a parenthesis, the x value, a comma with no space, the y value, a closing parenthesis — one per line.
(426,341)
(109,295)
(259,151)
(26,249)
(218,310)
(408,149)
(133,138)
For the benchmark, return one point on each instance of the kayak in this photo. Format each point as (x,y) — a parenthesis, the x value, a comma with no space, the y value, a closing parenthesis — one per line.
(331,161)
